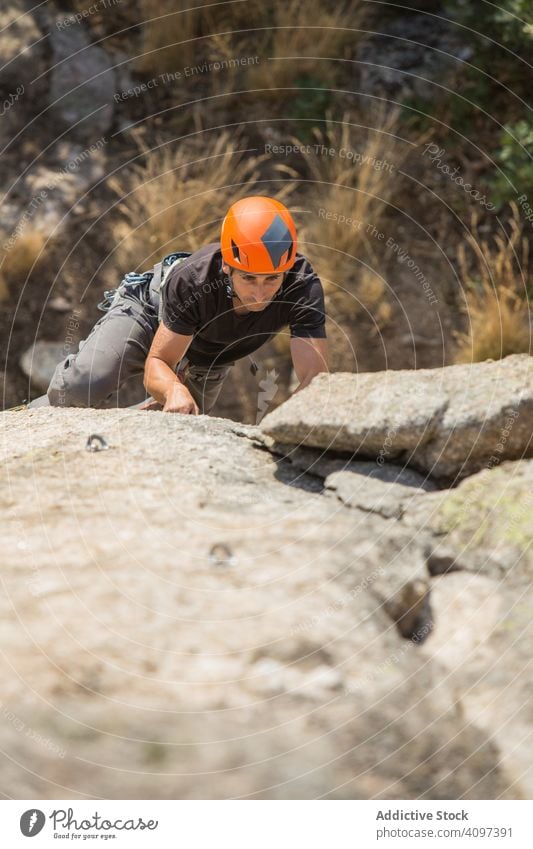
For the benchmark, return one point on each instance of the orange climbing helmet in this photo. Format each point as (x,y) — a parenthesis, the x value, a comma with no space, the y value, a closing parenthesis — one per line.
(258,235)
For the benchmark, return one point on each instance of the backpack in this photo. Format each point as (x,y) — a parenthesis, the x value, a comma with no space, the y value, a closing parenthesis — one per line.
(141,284)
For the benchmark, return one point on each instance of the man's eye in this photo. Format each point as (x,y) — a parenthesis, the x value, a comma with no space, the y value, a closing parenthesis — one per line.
(269,281)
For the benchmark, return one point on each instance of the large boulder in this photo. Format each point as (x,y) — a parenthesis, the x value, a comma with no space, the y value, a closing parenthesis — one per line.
(480,554)
(411,52)
(447,422)
(384,489)
(485,525)
(185,615)
(23,48)
(82,83)
(483,640)
(22,85)
(39,362)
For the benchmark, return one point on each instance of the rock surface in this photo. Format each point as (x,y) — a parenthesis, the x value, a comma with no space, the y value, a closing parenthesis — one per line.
(22,87)
(484,620)
(301,664)
(447,422)
(368,492)
(408,56)
(39,362)
(485,525)
(82,84)
(23,47)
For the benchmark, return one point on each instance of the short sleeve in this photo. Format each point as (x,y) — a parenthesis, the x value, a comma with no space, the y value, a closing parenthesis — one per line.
(307,317)
(181,295)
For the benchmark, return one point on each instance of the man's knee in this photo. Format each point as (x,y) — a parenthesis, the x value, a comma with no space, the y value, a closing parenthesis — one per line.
(77,383)
(113,353)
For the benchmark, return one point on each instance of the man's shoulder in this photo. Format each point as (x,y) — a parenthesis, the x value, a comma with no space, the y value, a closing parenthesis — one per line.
(196,286)
(206,261)
(301,274)
(302,265)
(201,266)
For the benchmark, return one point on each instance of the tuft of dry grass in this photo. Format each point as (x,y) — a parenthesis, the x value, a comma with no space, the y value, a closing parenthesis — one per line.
(173,39)
(353,179)
(372,297)
(497,304)
(301,33)
(167,39)
(178,197)
(17,261)
(286,38)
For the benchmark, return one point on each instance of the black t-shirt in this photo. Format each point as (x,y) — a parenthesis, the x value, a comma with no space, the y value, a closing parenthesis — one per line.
(197,301)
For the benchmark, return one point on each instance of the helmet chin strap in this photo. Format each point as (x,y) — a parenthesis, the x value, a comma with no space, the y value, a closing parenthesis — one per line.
(231,289)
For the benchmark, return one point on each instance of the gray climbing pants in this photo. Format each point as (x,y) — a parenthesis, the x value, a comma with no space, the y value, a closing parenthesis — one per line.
(109,365)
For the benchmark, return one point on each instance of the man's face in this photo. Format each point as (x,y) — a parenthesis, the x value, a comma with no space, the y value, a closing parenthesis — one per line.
(255,290)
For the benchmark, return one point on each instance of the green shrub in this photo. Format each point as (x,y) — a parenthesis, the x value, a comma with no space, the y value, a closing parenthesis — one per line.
(515,158)
(495,32)
(509,22)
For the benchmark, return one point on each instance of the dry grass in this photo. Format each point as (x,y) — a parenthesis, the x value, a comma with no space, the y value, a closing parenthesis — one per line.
(178,196)
(359,190)
(16,262)
(167,36)
(286,38)
(300,32)
(372,296)
(173,39)
(235,16)
(497,305)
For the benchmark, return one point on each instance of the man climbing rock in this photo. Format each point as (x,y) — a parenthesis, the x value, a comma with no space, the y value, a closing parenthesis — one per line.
(184,329)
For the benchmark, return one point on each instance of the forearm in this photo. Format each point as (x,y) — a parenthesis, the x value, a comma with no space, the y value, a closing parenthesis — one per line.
(160,380)
(305,381)
(309,358)
(302,384)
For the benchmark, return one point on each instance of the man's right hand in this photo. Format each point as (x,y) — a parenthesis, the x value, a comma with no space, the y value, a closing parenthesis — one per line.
(180,400)
(160,378)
